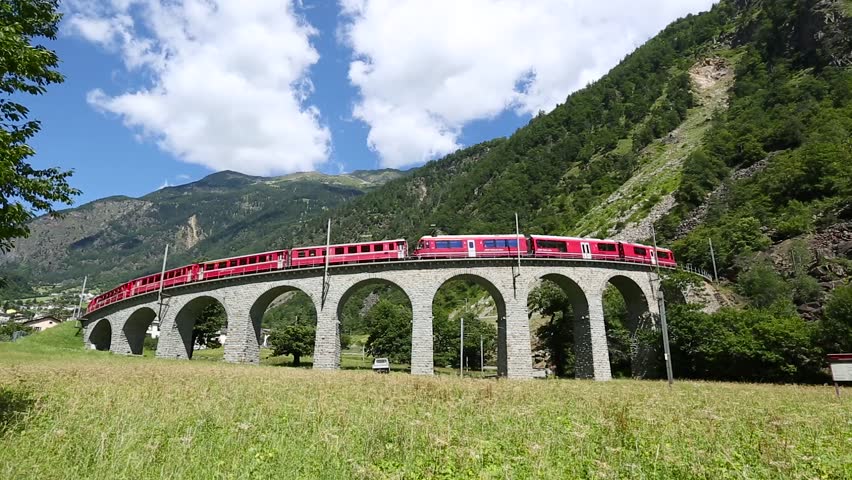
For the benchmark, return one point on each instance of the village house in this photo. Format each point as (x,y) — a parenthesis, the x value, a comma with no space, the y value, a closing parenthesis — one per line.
(43,323)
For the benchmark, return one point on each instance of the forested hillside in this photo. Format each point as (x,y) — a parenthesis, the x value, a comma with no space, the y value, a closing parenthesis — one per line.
(732,126)
(223,214)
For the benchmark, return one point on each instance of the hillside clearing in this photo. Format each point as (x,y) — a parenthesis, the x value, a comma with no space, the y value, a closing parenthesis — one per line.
(75,414)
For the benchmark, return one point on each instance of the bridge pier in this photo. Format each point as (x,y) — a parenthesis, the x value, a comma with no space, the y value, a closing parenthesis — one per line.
(518,352)
(327,340)
(422,339)
(590,347)
(242,344)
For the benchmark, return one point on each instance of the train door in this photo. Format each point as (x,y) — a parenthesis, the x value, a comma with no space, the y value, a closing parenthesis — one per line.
(653,256)
(280,256)
(471,248)
(401,251)
(587,250)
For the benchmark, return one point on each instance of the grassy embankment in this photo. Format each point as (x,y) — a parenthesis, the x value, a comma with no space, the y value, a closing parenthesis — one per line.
(67,413)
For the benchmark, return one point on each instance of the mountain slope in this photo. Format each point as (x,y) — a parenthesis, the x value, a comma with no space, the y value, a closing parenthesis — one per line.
(223,214)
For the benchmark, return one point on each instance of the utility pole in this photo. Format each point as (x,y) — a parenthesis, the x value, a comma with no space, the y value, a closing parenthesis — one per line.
(461,347)
(160,292)
(661,302)
(481,357)
(79,311)
(327,255)
(713,257)
(518,236)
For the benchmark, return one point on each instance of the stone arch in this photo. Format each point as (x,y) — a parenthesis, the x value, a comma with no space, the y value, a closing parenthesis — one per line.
(351,289)
(101,334)
(581,326)
(640,320)
(136,326)
(258,310)
(499,303)
(186,317)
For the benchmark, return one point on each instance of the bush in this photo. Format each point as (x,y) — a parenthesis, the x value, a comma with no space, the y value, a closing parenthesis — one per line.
(762,285)
(837,322)
(150,343)
(806,289)
(747,345)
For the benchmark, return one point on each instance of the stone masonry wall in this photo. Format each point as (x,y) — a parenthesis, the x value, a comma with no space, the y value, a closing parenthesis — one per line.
(246,298)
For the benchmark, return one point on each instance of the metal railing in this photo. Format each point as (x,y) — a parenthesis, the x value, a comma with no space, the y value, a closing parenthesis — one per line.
(696,271)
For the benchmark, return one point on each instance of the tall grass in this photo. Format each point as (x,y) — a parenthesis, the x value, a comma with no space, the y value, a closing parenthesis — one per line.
(81,414)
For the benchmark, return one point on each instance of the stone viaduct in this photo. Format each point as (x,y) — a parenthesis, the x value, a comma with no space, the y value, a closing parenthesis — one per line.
(121,327)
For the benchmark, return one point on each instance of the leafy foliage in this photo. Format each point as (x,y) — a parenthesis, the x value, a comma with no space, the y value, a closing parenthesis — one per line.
(837,324)
(25,68)
(389,332)
(296,340)
(298,309)
(208,324)
(748,345)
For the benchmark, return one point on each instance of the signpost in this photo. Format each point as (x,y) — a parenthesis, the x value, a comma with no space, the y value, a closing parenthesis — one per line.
(841,369)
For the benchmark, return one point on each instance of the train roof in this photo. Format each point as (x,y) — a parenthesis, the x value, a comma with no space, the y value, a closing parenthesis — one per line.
(508,235)
(236,256)
(550,237)
(354,243)
(574,238)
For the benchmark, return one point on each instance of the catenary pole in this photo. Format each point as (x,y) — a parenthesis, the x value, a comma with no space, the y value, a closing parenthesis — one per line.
(461,347)
(160,292)
(713,257)
(481,356)
(79,311)
(518,238)
(661,302)
(327,255)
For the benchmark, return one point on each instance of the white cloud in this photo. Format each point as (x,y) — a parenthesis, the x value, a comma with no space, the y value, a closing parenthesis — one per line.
(425,69)
(228,79)
(165,184)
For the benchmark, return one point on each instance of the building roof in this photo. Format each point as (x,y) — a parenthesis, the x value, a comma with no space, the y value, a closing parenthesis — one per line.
(46,317)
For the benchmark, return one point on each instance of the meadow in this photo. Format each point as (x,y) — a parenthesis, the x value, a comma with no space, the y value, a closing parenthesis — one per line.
(69,413)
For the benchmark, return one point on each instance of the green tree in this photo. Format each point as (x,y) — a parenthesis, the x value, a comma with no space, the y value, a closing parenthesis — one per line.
(762,345)
(556,336)
(763,285)
(296,340)
(389,327)
(26,67)
(207,326)
(837,322)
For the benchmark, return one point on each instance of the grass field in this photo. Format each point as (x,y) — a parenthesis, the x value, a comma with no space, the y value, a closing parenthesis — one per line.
(68,413)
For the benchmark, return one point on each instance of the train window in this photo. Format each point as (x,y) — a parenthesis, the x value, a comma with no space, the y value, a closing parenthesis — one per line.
(322,252)
(442,244)
(663,255)
(512,243)
(379,247)
(554,244)
(252,260)
(223,265)
(490,243)
(640,251)
(606,247)
(338,250)
(301,254)
(312,253)
(353,249)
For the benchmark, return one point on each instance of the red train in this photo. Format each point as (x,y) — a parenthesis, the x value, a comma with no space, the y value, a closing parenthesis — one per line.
(542,246)
(429,247)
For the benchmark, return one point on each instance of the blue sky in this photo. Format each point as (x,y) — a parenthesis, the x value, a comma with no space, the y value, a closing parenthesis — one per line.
(168,92)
